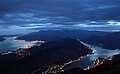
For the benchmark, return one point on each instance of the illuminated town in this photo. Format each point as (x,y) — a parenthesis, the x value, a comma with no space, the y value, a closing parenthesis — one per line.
(25,50)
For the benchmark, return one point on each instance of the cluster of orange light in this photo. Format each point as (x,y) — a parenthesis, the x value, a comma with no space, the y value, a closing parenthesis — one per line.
(62,66)
(4,53)
(110,58)
(18,52)
(35,41)
(98,62)
(27,47)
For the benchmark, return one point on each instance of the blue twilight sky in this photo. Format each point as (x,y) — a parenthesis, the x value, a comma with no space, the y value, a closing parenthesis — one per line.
(58,14)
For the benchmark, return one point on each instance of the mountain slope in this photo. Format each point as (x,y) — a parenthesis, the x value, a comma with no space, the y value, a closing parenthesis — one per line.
(54,52)
(111,41)
(51,35)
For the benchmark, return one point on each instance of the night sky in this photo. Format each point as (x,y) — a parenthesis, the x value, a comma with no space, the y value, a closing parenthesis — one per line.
(59,14)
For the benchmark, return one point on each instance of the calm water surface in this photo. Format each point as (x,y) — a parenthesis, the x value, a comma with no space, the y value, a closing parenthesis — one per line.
(87,60)
(9,44)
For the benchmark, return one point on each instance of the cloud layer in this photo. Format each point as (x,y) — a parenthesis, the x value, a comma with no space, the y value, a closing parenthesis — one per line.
(59,13)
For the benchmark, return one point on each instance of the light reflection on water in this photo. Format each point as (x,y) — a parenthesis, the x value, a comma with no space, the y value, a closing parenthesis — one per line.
(9,44)
(87,60)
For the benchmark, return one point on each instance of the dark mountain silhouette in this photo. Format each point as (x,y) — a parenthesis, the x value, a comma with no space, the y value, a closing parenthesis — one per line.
(54,52)
(111,41)
(9,58)
(51,35)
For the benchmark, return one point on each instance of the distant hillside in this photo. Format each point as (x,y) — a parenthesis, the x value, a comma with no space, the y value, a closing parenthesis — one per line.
(51,35)
(111,41)
(54,52)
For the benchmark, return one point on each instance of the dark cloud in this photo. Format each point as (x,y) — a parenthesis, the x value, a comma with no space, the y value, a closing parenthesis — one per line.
(58,12)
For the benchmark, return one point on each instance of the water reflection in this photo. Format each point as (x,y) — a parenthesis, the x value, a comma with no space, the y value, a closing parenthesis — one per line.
(87,60)
(9,44)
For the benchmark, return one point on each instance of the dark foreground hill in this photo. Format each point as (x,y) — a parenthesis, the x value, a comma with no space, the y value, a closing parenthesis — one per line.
(54,52)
